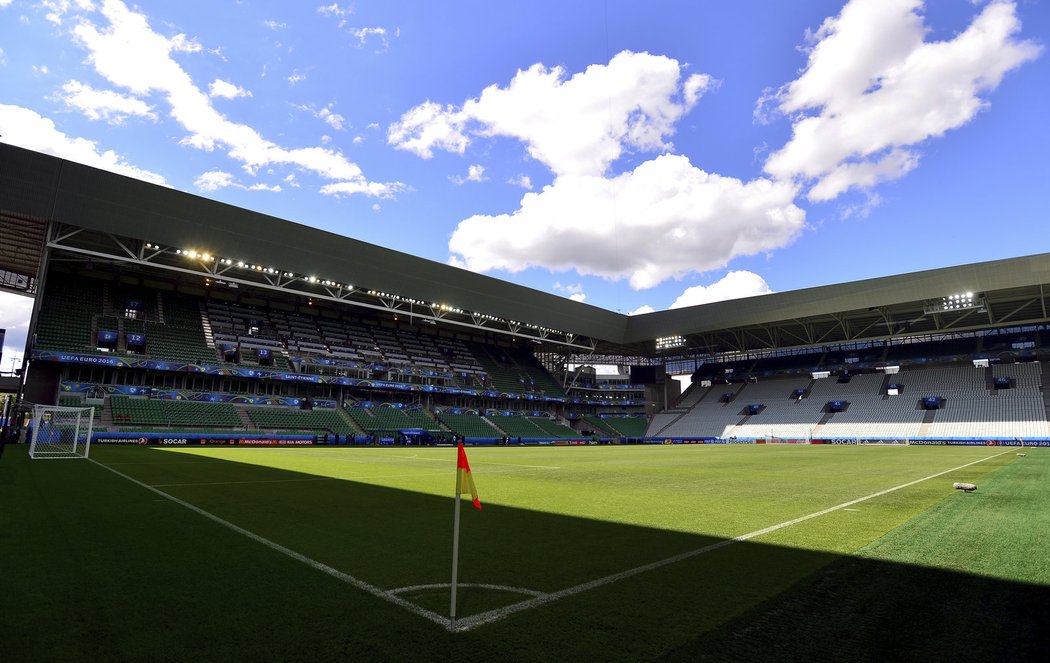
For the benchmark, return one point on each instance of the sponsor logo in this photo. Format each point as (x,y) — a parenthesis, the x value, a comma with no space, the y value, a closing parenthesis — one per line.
(269,442)
(113,440)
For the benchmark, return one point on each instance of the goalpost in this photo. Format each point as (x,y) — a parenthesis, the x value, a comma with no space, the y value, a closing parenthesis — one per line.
(61,432)
(790,437)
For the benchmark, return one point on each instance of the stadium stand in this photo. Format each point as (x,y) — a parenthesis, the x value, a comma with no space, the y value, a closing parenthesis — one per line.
(288,419)
(469,425)
(553,428)
(631,427)
(149,412)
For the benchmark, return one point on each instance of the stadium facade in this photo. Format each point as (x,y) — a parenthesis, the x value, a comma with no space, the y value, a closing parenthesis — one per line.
(174,313)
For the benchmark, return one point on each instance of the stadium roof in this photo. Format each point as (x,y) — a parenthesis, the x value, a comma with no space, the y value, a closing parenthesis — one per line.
(35,188)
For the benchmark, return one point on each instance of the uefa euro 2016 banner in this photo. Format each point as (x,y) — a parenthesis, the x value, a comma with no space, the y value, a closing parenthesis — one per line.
(93,390)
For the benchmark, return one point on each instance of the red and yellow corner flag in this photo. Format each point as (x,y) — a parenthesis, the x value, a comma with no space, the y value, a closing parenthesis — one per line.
(464,480)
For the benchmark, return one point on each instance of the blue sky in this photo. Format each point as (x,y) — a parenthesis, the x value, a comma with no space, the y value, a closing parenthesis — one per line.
(634,156)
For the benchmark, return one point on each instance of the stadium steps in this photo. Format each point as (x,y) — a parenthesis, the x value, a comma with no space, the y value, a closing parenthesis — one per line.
(105,419)
(928,418)
(689,392)
(245,419)
(736,394)
(209,336)
(628,426)
(345,416)
(885,383)
(160,308)
(705,394)
(732,431)
(1045,387)
(989,379)
(599,425)
(669,424)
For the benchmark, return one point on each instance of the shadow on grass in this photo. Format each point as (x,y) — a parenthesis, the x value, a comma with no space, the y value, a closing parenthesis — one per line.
(131,575)
(862,609)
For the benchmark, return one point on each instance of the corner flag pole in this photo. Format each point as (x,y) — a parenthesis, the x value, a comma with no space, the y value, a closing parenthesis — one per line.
(464,482)
(455,552)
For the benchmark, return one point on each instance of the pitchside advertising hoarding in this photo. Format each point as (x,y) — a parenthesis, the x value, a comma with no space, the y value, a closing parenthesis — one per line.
(167,439)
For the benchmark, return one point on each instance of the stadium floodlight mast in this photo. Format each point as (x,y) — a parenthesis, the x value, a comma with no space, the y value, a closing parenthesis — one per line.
(61,432)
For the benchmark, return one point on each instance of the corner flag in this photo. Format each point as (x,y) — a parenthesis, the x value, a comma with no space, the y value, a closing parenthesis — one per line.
(464,485)
(464,479)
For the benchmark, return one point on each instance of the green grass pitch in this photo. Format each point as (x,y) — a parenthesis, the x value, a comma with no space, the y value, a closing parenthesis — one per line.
(593,553)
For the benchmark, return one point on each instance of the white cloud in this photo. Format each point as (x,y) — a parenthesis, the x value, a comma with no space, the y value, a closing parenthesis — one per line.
(862,209)
(575,125)
(874,89)
(358,139)
(15,311)
(373,189)
(643,309)
(296,77)
(334,120)
(331,118)
(429,126)
(664,219)
(226,90)
(3,57)
(733,285)
(56,9)
(128,53)
(363,34)
(274,24)
(26,128)
(572,288)
(5,3)
(475,173)
(40,70)
(180,43)
(213,180)
(524,181)
(334,10)
(107,105)
(578,297)
(275,188)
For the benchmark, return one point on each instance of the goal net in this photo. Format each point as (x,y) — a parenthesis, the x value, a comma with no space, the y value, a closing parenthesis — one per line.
(61,432)
(790,437)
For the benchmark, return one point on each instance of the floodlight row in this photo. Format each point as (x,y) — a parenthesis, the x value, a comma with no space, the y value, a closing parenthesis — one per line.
(205,256)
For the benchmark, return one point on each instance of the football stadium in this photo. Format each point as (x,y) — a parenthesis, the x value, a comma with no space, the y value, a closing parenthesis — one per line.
(250,430)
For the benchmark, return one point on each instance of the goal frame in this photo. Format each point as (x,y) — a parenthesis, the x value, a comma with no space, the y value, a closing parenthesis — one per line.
(802,436)
(80,444)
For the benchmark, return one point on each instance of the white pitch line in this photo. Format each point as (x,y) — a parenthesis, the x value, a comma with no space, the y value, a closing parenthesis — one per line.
(312,563)
(474,621)
(479,585)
